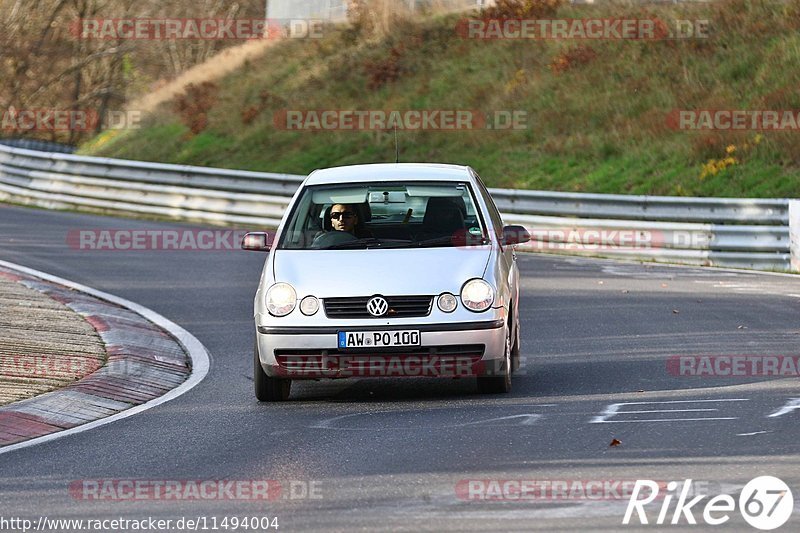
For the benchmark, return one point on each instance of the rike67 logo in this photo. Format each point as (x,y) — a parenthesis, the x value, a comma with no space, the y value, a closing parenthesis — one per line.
(765,503)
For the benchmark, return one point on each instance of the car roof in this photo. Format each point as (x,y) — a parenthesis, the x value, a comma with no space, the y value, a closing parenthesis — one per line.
(390,172)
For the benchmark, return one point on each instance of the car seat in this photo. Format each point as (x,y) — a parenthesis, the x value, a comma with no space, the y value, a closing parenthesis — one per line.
(443,217)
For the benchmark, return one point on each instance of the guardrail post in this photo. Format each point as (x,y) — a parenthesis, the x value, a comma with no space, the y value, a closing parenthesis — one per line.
(794,233)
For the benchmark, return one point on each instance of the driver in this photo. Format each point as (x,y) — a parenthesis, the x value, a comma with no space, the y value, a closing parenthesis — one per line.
(344,218)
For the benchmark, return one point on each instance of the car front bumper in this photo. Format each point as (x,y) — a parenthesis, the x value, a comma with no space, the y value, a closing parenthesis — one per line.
(458,349)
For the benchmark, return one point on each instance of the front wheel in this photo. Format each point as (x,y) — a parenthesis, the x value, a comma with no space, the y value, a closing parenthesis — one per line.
(268,389)
(498,384)
(516,357)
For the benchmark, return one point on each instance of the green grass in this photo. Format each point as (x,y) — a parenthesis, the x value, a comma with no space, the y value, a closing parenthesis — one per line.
(598,126)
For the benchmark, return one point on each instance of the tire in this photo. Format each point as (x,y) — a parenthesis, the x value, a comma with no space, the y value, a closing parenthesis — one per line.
(516,360)
(498,384)
(268,389)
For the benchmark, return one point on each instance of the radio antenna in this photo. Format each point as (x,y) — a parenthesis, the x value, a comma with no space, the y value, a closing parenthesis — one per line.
(396,146)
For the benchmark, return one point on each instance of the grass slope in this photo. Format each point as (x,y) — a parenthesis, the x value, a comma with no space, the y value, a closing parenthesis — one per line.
(596,110)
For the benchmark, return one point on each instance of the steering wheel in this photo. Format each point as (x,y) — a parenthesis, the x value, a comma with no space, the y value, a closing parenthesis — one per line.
(331,238)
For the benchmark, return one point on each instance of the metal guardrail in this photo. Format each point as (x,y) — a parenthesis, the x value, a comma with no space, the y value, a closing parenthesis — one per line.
(745,233)
(36,144)
(196,194)
(629,207)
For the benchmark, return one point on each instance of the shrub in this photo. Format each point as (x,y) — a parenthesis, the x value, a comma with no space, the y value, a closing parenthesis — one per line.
(572,57)
(386,70)
(193,106)
(524,8)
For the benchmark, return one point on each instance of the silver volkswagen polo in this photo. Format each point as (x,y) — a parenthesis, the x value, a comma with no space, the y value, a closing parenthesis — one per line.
(388,270)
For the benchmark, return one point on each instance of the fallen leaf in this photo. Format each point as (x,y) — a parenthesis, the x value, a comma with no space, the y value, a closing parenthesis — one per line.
(615,442)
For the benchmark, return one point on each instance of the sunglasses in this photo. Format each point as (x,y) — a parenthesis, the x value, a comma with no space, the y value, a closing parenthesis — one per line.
(344,214)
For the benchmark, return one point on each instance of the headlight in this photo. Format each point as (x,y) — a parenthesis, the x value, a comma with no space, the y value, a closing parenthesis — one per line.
(447,302)
(477,295)
(281,299)
(309,305)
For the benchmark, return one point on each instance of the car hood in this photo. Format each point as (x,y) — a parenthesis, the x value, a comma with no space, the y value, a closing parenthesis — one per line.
(332,273)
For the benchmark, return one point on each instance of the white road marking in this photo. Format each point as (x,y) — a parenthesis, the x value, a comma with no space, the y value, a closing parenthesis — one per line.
(328,422)
(667,411)
(614,410)
(756,287)
(527,420)
(791,405)
(658,271)
(201,360)
(666,420)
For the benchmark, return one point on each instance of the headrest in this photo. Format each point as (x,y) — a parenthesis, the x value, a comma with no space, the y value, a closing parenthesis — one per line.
(442,215)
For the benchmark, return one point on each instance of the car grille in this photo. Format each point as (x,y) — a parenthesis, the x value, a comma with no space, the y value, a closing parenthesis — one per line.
(399,307)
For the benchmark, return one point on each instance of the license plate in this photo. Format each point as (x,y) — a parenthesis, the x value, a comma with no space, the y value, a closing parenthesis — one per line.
(378,339)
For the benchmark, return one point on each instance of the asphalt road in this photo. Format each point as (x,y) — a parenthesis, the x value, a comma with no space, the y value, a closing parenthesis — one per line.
(374,454)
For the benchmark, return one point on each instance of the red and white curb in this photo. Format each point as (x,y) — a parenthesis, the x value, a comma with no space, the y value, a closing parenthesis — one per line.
(151,360)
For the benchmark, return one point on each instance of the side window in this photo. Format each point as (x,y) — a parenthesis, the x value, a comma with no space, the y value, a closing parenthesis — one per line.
(294,235)
(494,214)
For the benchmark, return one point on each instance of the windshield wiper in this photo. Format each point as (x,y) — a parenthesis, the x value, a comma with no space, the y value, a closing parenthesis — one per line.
(357,243)
(449,239)
(368,242)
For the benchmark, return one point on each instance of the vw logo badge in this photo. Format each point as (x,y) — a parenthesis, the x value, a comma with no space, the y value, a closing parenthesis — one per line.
(377,306)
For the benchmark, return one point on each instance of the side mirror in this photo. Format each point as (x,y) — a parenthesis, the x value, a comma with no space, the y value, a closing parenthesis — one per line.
(256,241)
(515,235)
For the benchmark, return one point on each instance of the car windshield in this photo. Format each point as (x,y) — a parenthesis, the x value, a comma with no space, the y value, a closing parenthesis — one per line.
(371,215)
